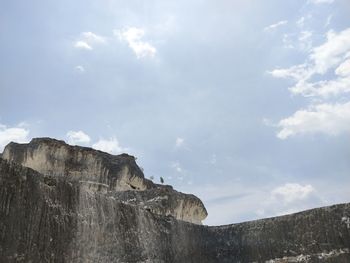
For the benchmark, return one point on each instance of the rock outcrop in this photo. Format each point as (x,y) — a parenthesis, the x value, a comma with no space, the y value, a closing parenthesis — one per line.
(61,203)
(98,171)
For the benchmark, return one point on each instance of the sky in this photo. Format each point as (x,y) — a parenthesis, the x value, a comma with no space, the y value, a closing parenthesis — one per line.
(244,103)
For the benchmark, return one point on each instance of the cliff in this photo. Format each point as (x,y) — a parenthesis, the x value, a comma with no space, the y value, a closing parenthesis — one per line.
(62,203)
(96,171)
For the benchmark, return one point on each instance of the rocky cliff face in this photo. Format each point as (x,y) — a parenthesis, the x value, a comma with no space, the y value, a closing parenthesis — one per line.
(61,203)
(97,171)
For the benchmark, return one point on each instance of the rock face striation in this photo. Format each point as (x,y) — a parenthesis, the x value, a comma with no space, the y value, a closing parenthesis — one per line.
(62,203)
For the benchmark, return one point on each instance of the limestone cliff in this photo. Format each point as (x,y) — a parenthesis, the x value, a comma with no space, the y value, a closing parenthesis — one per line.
(105,173)
(72,207)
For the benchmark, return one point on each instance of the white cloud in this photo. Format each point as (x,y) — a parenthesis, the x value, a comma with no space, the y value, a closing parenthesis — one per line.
(15,134)
(88,39)
(332,51)
(287,199)
(276,25)
(303,20)
(80,69)
(330,119)
(179,142)
(291,192)
(321,1)
(321,58)
(110,145)
(297,72)
(325,117)
(76,137)
(93,38)
(133,36)
(228,201)
(298,40)
(324,88)
(82,45)
(343,69)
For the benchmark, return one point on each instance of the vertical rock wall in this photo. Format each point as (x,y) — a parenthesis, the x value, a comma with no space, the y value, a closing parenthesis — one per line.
(37,216)
(80,218)
(96,170)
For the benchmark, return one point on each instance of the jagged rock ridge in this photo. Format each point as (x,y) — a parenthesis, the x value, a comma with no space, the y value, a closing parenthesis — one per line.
(82,205)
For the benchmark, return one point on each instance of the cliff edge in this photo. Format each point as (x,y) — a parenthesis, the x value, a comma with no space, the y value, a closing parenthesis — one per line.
(114,175)
(63,203)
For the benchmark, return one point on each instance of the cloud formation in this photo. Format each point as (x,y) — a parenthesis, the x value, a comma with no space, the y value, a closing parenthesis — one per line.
(291,192)
(327,112)
(276,25)
(203,75)
(289,198)
(110,145)
(78,137)
(321,1)
(330,119)
(14,134)
(88,39)
(133,36)
(332,52)
(82,45)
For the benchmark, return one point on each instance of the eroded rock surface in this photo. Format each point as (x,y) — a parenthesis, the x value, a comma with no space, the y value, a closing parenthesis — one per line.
(49,215)
(105,173)
(54,157)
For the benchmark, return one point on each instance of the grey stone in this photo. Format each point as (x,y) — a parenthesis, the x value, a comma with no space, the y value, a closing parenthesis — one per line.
(103,172)
(73,206)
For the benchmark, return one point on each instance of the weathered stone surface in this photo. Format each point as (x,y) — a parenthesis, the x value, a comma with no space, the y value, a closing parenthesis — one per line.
(37,215)
(103,172)
(53,218)
(53,157)
(165,201)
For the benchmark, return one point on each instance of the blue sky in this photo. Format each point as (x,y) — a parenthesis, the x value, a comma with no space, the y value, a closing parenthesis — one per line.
(243,103)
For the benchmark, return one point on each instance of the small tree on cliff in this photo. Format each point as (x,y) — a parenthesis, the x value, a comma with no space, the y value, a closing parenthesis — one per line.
(161,180)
